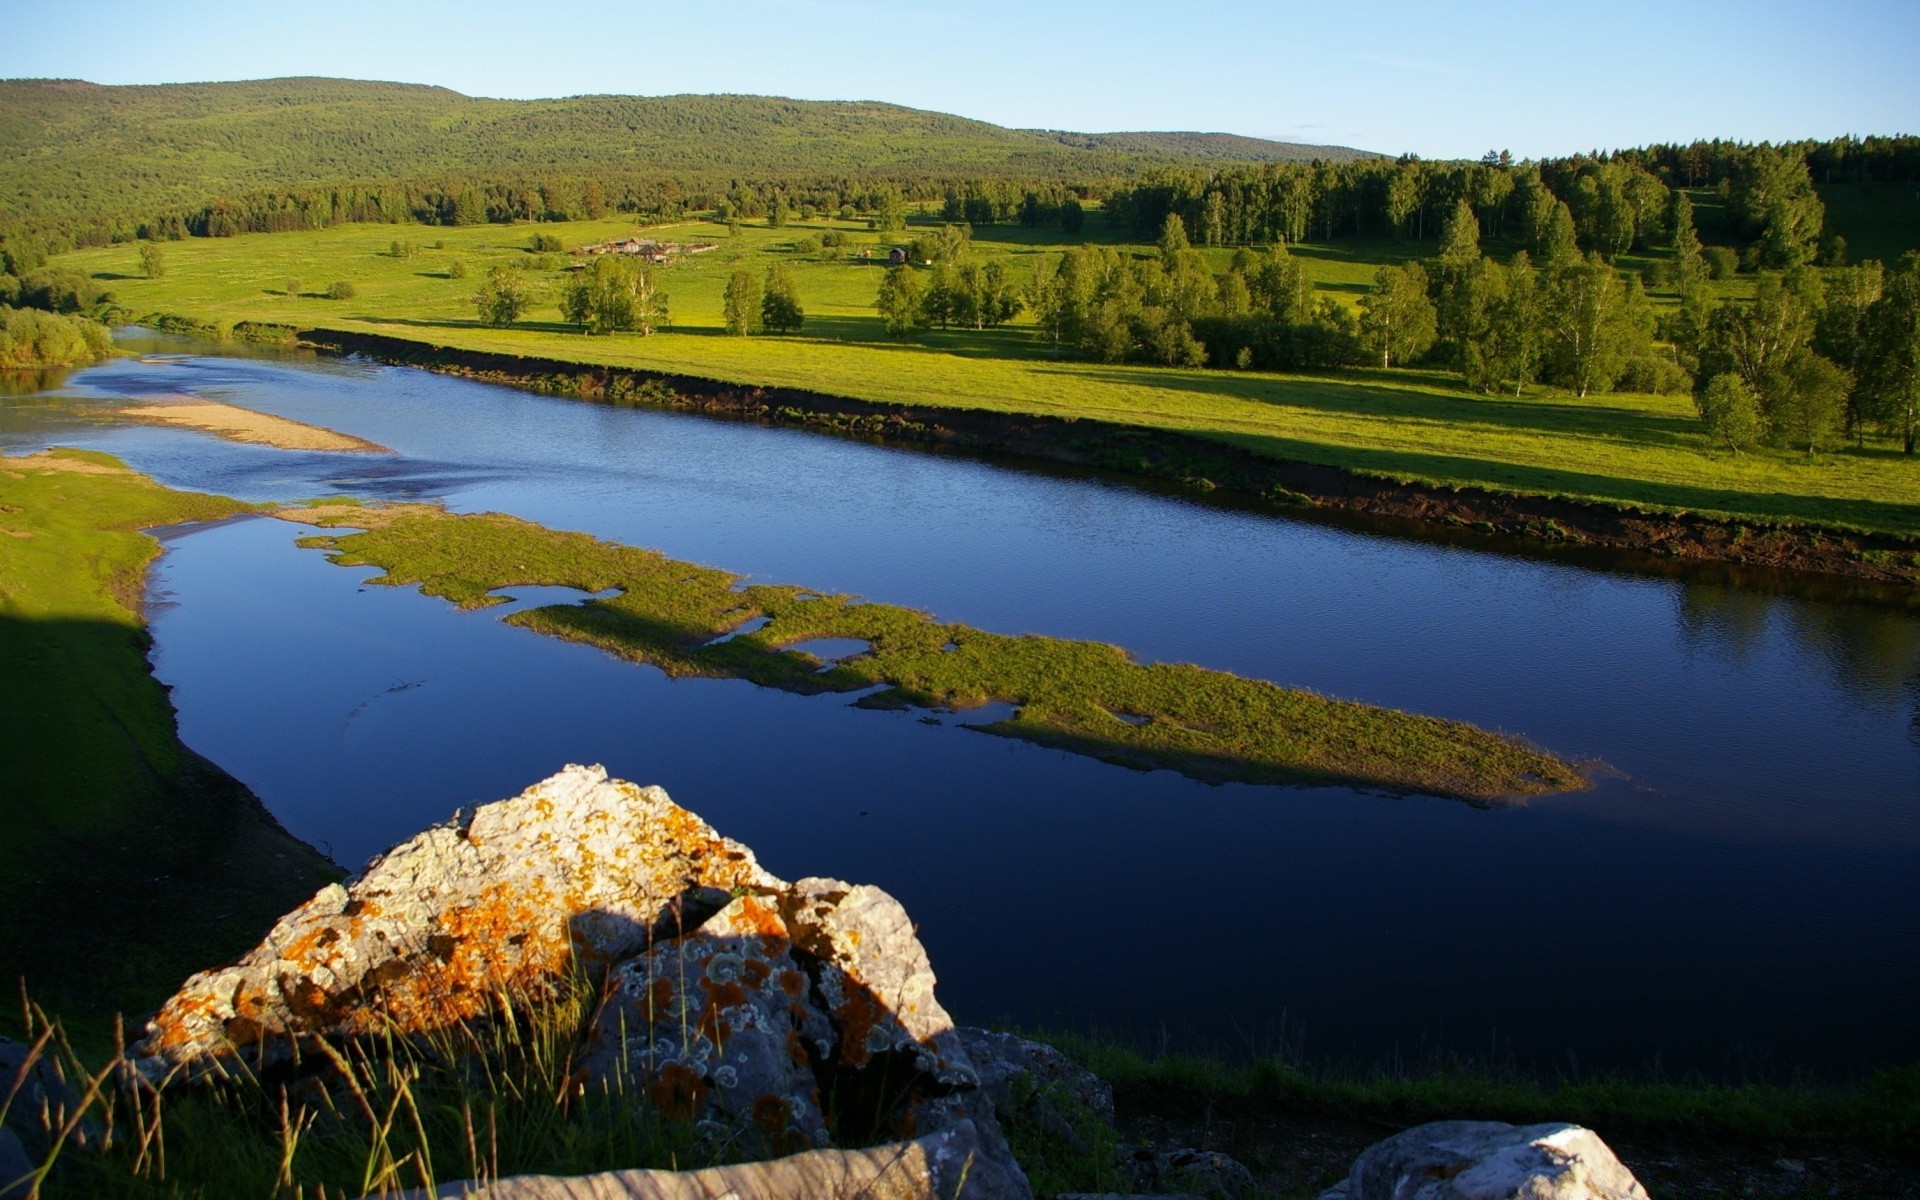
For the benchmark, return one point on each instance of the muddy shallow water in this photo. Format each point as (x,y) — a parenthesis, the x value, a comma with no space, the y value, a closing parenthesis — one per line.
(1739,892)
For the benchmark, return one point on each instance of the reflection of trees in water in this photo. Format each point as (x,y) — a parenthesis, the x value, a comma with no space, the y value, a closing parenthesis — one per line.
(1871,652)
(1727,620)
(28,381)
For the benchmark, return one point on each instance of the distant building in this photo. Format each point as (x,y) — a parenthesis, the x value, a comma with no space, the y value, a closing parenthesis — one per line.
(897,257)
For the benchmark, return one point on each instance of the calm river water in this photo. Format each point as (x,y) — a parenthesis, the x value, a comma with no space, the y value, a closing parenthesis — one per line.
(1739,894)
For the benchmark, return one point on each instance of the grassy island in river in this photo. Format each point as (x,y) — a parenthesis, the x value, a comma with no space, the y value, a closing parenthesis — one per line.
(1086,697)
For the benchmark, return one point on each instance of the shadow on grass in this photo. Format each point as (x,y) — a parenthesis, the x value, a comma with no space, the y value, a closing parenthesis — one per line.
(130,861)
(1394,395)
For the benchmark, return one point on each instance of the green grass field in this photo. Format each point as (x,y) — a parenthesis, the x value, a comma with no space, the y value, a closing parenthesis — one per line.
(1637,450)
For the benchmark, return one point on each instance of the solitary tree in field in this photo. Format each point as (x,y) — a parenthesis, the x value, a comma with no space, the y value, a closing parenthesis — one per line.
(1396,318)
(741,308)
(502,299)
(293,287)
(900,301)
(153,264)
(780,310)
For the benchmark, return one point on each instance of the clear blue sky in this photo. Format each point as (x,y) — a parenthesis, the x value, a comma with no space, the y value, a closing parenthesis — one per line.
(1439,79)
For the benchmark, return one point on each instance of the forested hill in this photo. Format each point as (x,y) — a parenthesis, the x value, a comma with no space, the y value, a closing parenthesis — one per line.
(72,151)
(1206,147)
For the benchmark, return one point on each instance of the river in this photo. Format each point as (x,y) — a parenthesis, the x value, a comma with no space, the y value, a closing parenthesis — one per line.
(1739,894)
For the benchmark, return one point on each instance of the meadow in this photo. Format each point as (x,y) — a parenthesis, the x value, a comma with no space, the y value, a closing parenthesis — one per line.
(1420,426)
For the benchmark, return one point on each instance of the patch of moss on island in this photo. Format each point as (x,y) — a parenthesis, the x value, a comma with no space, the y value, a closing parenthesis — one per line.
(1086,697)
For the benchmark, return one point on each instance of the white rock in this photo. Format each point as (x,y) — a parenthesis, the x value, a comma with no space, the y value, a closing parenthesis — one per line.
(1489,1160)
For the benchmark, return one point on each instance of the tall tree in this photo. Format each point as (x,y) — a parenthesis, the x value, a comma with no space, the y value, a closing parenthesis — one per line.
(1892,358)
(1513,345)
(503,298)
(1840,329)
(1730,411)
(780,310)
(153,264)
(1689,262)
(1173,237)
(1594,324)
(614,294)
(741,307)
(900,302)
(1397,319)
(1280,288)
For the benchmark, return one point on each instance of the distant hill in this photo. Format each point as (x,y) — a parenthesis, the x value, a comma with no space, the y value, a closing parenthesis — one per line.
(70,148)
(1207,147)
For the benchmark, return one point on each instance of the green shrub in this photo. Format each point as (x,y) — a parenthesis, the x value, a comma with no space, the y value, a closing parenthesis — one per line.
(340,289)
(1655,375)
(1722,261)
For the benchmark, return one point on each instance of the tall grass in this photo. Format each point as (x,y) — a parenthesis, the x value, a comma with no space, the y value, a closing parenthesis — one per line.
(481,1100)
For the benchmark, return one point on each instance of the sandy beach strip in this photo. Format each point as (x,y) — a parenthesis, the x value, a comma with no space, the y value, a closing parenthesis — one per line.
(244,425)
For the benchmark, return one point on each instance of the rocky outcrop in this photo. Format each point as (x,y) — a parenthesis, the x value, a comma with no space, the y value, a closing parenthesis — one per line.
(1489,1160)
(506,899)
(776,1018)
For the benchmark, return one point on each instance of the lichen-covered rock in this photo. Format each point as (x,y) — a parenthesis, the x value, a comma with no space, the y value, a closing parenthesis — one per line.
(503,901)
(875,980)
(1489,1160)
(719,1027)
(947,1165)
(791,1016)
(777,1017)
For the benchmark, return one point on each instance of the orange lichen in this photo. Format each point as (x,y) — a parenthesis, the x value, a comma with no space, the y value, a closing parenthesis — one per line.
(678,1091)
(858,1017)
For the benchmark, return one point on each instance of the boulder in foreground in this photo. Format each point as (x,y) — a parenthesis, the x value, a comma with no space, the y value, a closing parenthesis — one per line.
(1489,1160)
(776,1018)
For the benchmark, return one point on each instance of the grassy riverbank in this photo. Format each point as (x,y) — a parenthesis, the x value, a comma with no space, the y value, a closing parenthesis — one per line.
(1084,697)
(129,861)
(1625,449)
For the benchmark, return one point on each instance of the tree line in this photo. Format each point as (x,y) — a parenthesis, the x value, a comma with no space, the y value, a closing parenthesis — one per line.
(1605,204)
(1817,355)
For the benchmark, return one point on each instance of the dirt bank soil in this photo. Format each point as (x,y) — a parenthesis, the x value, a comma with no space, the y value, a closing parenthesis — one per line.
(1655,542)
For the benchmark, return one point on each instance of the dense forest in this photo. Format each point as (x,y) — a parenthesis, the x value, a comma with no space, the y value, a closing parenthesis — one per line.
(1823,350)
(83,164)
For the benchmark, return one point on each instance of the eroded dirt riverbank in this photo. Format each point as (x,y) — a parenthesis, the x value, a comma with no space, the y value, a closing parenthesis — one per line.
(1632,539)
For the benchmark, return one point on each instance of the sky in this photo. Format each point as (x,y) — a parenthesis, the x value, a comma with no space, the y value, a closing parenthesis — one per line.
(1442,80)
